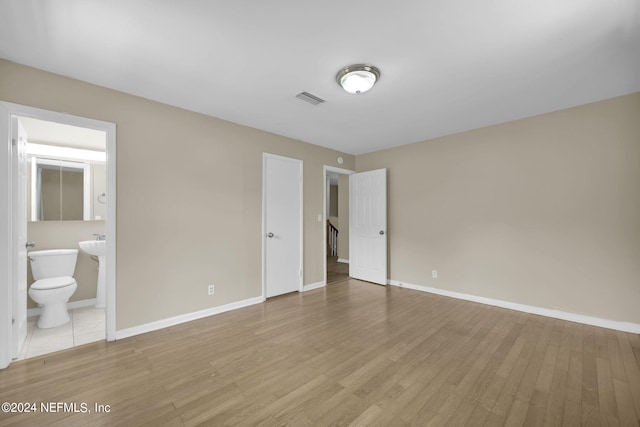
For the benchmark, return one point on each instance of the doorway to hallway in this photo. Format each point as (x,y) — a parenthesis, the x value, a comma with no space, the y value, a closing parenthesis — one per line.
(336,214)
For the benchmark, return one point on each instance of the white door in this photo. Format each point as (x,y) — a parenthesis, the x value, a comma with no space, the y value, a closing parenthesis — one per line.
(282,225)
(368,226)
(6,249)
(19,229)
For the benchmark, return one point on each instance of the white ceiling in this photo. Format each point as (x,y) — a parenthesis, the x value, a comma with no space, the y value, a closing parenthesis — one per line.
(447,65)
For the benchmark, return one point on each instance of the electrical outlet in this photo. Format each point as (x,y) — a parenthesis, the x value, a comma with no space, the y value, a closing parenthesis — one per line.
(211,289)
(434,274)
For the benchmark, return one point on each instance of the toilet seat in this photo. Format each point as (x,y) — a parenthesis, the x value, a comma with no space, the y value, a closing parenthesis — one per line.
(53,283)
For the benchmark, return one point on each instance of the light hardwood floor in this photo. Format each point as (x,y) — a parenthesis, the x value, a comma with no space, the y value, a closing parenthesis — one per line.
(351,353)
(336,271)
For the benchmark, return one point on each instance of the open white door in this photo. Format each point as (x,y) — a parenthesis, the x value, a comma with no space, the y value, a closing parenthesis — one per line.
(19,229)
(368,226)
(282,222)
(6,258)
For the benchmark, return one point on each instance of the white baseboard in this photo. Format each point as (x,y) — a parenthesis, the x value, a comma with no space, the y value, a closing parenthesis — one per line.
(316,285)
(548,312)
(31,312)
(176,320)
(346,261)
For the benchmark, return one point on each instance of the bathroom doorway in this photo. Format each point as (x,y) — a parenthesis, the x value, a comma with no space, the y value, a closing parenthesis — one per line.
(70,197)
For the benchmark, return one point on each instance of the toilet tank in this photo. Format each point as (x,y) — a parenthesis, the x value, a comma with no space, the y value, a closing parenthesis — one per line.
(53,263)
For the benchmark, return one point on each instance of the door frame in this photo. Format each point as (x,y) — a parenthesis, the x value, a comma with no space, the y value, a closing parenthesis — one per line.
(325,171)
(5,217)
(265,156)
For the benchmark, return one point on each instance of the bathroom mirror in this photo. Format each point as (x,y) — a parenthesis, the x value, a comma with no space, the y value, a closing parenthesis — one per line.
(67,174)
(60,190)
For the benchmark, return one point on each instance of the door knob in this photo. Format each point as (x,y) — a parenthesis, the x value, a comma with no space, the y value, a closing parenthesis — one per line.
(381,232)
(269,235)
(30,245)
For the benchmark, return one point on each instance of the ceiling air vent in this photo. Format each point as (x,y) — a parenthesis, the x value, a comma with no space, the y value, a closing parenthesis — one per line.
(311,99)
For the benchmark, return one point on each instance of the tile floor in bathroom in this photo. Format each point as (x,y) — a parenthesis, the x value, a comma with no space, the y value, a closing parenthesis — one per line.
(87,325)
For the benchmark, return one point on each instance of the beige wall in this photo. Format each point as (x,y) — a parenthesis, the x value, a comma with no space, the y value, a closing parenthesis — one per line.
(189,196)
(343,214)
(333,201)
(543,211)
(66,235)
(99,186)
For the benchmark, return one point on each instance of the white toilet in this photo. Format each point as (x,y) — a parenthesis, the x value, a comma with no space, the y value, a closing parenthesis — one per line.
(53,270)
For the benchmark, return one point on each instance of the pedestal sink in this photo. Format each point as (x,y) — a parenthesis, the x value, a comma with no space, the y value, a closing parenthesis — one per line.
(97,248)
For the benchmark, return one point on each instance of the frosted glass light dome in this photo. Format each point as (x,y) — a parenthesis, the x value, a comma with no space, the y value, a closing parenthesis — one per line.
(358,78)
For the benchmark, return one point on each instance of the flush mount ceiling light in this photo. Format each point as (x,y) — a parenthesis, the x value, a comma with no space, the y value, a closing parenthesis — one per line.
(358,78)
